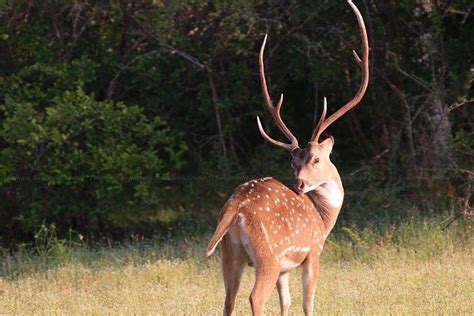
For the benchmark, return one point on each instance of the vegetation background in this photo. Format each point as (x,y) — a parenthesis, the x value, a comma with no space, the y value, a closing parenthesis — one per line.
(125,125)
(137,118)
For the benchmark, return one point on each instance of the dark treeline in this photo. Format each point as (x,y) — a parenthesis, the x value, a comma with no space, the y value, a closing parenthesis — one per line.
(138,117)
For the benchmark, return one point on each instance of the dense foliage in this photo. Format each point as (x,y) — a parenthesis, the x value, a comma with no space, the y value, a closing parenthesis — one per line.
(122,117)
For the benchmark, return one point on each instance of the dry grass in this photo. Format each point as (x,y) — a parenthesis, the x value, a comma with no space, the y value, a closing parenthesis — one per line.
(175,280)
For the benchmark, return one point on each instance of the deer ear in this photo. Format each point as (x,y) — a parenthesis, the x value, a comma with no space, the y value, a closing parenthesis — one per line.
(328,143)
(295,152)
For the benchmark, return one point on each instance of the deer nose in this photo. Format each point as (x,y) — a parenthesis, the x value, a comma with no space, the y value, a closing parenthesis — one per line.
(299,186)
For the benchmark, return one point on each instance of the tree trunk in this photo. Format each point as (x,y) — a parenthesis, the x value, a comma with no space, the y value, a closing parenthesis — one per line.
(440,129)
(429,43)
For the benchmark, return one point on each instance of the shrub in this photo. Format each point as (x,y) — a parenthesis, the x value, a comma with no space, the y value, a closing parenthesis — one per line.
(74,160)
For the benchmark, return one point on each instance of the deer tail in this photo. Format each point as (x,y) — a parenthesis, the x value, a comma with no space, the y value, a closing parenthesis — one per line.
(227,215)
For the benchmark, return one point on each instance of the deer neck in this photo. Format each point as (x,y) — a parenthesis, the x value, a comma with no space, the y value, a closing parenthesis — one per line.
(328,198)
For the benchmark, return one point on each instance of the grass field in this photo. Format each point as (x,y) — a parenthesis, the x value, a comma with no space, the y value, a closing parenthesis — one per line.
(408,269)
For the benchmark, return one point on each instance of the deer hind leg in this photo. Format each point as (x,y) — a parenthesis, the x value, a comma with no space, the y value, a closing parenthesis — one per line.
(310,278)
(234,259)
(284,293)
(266,276)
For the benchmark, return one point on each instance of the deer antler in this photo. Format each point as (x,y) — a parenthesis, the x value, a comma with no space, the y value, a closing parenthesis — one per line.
(274,111)
(321,119)
(364,64)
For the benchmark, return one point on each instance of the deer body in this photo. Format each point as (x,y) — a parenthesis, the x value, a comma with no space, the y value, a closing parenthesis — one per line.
(283,217)
(273,228)
(276,228)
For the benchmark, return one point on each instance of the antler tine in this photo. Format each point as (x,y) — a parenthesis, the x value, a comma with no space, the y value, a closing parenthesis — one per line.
(364,64)
(288,147)
(274,111)
(321,119)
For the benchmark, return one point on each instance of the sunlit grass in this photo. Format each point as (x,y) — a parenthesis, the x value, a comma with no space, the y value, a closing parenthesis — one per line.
(417,269)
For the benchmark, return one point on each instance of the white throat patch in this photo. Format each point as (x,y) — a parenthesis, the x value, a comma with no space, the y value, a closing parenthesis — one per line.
(332,193)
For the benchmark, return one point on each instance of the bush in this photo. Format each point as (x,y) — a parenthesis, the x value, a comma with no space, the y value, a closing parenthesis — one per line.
(75,160)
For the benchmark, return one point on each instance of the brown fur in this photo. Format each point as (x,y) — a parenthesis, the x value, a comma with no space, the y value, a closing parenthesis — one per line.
(270,225)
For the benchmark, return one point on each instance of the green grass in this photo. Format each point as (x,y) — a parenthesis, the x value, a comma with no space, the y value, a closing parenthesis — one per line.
(411,268)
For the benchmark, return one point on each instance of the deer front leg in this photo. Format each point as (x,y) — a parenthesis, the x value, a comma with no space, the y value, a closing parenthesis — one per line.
(310,278)
(284,293)
(233,263)
(266,276)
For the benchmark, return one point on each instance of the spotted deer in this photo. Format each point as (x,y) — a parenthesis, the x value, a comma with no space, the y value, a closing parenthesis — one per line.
(276,228)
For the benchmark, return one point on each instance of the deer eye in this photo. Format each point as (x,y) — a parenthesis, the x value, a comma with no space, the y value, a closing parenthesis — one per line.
(315,161)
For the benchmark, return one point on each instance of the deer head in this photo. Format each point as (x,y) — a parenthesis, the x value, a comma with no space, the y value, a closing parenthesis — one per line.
(312,165)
